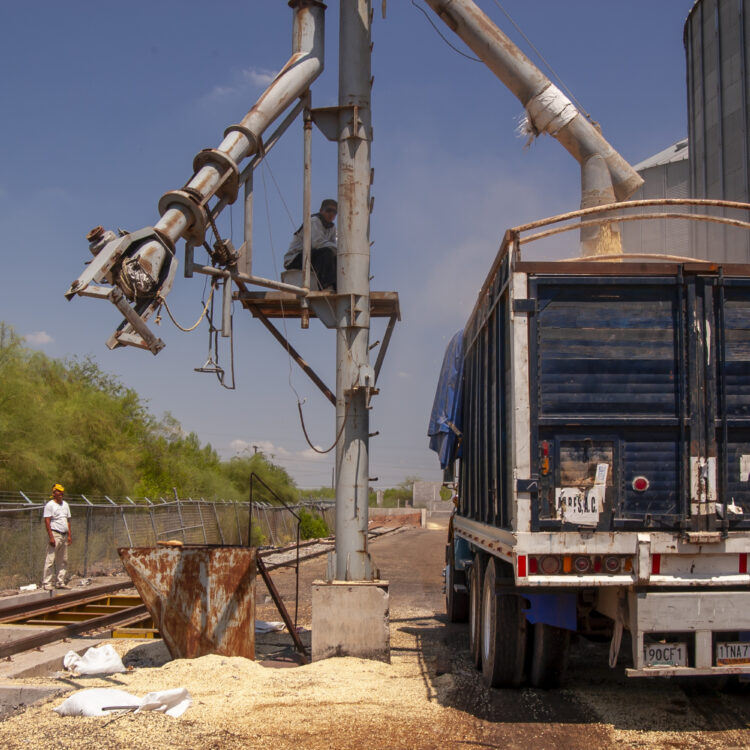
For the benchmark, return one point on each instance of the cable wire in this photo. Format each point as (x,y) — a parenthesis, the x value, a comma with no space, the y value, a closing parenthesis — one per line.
(163,301)
(440,34)
(541,57)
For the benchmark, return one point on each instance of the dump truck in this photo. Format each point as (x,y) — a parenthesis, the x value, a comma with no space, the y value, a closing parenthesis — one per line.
(595,415)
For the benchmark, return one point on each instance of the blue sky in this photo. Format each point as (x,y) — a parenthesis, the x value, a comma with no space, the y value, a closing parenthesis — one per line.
(104,106)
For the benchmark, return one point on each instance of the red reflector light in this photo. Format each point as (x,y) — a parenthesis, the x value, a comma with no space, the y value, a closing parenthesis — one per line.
(743,562)
(522,566)
(640,484)
(533,566)
(582,564)
(655,565)
(597,564)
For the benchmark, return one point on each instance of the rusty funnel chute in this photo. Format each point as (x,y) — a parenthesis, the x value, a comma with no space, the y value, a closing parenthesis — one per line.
(202,598)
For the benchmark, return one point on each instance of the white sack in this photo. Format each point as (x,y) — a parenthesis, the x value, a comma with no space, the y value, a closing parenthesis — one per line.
(93,701)
(261,626)
(101,660)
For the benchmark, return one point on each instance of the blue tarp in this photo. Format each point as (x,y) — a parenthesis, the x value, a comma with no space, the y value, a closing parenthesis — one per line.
(446,409)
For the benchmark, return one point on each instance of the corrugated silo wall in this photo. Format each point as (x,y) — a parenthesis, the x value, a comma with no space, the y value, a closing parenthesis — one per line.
(671,237)
(716,32)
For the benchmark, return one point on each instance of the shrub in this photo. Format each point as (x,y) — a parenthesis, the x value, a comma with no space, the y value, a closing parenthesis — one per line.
(312,526)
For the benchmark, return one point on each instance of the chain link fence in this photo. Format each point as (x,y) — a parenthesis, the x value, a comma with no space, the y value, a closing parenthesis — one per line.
(100,525)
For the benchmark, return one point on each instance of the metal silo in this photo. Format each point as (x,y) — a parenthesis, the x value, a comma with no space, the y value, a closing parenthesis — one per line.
(665,175)
(715,38)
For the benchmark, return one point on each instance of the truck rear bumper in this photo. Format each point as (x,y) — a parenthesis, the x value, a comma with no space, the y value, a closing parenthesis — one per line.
(701,619)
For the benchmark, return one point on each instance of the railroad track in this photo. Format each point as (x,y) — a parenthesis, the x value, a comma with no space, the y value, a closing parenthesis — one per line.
(78,612)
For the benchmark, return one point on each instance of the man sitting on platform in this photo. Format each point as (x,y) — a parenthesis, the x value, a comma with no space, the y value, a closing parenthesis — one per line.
(322,244)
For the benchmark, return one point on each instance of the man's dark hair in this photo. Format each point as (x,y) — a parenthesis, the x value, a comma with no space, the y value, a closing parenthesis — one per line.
(329,203)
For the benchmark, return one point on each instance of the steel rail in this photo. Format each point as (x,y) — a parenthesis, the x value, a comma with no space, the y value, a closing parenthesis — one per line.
(62,601)
(65,631)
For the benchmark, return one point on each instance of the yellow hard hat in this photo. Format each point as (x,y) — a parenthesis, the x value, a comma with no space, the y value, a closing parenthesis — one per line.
(58,488)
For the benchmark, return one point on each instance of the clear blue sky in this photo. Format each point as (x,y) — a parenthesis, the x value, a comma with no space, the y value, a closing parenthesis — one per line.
(104,106)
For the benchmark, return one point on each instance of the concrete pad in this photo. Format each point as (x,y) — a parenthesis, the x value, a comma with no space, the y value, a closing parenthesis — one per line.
(351,618)
(46,660)
(13,697)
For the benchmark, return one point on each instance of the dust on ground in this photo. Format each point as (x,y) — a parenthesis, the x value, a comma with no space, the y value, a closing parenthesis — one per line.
(429,696)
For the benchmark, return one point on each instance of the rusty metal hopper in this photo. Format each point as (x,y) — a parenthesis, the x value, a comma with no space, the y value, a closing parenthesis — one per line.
(201,598)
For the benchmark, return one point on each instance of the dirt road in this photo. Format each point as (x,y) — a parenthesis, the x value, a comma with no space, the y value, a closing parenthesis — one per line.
(428,697)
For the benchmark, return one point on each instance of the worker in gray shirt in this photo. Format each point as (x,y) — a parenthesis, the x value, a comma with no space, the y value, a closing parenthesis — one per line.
(322,245)
(57,523)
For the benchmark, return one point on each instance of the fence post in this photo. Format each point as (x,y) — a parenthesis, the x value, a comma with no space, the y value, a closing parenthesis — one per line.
(237,518)
(179,515)
(203,523)
(218,523)
(32,577)
(125,524)
(89,514)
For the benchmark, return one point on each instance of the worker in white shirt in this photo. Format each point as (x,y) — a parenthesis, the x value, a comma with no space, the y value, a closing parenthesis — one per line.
(322,245)
(57,523)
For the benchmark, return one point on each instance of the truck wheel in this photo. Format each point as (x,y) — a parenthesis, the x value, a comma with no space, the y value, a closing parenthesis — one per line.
(549,655)
(475,610)
(503,633)
(456,602)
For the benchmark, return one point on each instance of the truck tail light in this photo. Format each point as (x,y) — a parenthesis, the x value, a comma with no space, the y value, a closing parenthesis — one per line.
(655,565)
(522,566)
(582,564)
(612,564)
(743,562)
(550,565)
(533,566)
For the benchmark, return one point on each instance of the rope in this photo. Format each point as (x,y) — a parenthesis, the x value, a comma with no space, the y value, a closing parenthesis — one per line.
(163,301)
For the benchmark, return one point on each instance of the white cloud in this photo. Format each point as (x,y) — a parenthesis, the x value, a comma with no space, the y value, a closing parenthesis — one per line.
(242,82)
(38,338)
(277,453)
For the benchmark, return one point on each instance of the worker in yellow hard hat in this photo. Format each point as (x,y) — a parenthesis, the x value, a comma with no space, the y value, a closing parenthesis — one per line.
(57,523)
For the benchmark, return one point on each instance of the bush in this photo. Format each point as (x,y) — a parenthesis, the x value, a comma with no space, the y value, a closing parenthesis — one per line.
(312,526)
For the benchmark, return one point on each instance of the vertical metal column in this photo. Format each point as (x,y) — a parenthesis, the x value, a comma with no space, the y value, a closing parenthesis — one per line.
(306,206)
(354,376)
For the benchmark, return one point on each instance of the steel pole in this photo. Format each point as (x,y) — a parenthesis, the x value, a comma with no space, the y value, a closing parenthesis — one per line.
(354,376)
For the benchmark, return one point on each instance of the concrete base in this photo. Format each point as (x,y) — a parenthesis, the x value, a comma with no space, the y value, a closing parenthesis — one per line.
(13,697)
(351,618)
(46,660)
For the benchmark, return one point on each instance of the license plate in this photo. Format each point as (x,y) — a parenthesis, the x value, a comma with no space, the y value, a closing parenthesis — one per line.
(669,654)
(732,653)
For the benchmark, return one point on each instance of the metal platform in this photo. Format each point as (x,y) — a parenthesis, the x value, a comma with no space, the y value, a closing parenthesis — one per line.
(286,305)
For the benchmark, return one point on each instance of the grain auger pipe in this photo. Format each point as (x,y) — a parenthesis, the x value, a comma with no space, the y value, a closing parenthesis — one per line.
(605,176)
(140,266)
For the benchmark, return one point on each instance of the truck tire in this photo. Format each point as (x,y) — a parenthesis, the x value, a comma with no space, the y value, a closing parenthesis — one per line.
(456,602)
(550,647)
(475,610)
(503,633)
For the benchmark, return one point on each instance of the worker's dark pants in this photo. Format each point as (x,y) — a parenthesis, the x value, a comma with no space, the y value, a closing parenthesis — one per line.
(323,262)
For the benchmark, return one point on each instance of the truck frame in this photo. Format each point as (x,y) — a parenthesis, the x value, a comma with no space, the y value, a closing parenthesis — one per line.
(604,458)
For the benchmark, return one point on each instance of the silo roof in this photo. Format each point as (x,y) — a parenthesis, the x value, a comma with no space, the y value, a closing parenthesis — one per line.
(676,152)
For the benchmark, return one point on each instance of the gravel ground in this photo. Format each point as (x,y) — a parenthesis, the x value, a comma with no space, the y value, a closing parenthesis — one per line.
(428,697)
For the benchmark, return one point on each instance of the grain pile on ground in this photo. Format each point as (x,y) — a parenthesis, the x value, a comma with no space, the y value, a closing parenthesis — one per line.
(430,696)
(340,703)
